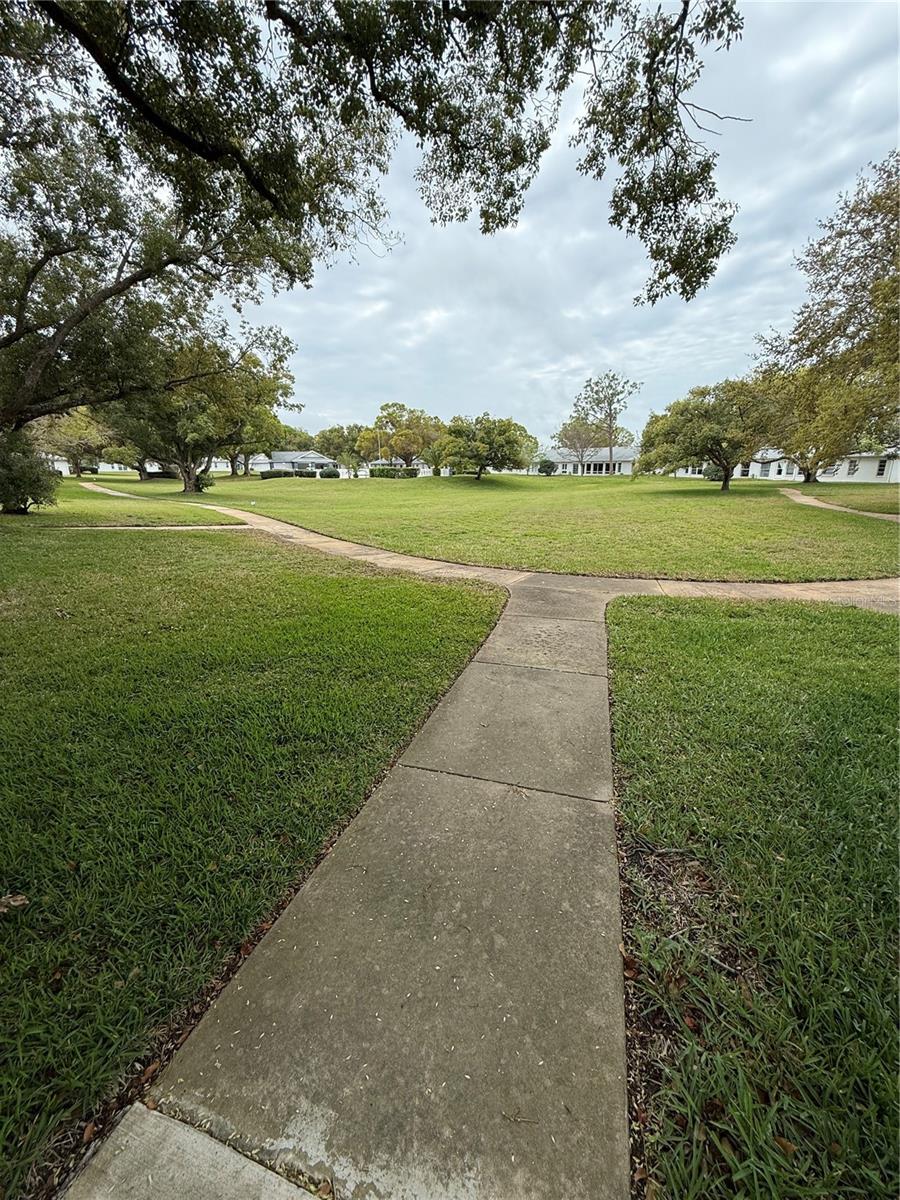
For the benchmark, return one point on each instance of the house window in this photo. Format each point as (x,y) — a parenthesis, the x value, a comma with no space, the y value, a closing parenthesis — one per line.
(789,469)
(764,470)
(779,469)
(852,466)
(564,469)
(745,470)
(882,467)
(830,471)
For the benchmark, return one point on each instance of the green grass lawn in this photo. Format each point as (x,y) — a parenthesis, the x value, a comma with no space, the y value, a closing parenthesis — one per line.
(685,529)
(868,497)
(756,753)
(187,718)
(80,506)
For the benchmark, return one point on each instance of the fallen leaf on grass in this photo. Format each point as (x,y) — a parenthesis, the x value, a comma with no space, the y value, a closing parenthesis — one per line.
(12,900)
(89,1130)
(788,1147)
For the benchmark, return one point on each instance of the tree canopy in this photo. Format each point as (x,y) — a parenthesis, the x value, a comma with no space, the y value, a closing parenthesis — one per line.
(725,425)
(482,443)
(849,324)
(282,114)
(600,403)
(100,274)
(220,410)
(815,419)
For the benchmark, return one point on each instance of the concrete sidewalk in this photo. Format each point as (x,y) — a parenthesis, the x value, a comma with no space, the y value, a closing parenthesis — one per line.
(814,502)
(438,1015)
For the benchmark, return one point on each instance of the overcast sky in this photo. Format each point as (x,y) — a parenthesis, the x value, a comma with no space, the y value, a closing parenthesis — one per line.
(455,322)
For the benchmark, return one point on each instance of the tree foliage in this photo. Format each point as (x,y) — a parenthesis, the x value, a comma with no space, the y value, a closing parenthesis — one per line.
(99,271)
(287,110)
(77,437)
(482,443)
(227,406)
(600,403)
(577,435)
(407,434)
(26,478)
(725,425)
(849,325)
(815,419)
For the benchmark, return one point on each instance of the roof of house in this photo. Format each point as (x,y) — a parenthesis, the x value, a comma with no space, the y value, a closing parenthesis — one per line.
(299,456)
(597,454)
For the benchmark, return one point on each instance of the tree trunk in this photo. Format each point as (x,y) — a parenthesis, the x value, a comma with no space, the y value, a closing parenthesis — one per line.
(142,471)
(188,473)
(233,464)
(15,510)
(809,476)
(75,467)
(478,472)
(246,467)
(726,479)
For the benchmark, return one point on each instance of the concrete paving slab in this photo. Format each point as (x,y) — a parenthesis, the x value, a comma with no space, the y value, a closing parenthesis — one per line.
(547,643)
(595,584)
(503,724)
(149,1156)
(438,1013)
(528,601)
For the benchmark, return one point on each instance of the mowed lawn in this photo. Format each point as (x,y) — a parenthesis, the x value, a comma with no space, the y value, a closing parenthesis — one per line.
(756,755)
(680,529)
(77,505)
(867,497)
(186,719)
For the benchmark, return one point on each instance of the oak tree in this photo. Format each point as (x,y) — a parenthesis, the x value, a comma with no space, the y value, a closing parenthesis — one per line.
(288,110)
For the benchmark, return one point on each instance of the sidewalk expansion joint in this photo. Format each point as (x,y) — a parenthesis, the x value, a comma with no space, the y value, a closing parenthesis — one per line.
(521,787)
(493,662)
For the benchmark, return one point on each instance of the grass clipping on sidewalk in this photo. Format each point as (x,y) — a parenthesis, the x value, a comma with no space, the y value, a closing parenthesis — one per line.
(756,755)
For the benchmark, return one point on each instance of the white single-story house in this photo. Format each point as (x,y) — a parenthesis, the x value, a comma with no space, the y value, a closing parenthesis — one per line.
(863,467)
(596,461)
(291,460)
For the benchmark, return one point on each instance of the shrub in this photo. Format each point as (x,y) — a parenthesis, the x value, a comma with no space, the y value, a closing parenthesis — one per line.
(329,473)
(26,478)
(546,466)
(166,474)
(276,474)
(205,481)
(713,474)
(394,472)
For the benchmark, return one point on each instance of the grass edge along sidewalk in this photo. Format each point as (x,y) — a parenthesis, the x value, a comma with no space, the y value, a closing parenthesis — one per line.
(202,715)
(756,754)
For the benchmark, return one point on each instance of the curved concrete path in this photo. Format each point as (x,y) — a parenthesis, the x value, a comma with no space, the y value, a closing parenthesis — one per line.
(815,502)
(880,594)
(438,1014)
